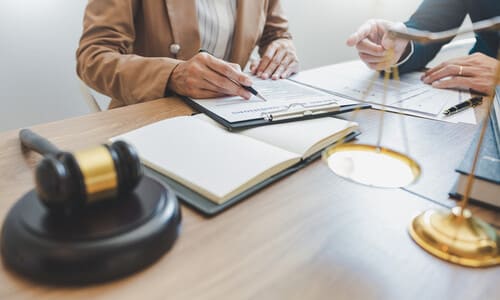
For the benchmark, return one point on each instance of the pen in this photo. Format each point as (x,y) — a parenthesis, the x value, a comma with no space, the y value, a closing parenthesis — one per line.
(472,102)
(248,88)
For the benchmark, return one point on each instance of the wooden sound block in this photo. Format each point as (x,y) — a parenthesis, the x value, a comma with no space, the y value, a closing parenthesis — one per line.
(105,241)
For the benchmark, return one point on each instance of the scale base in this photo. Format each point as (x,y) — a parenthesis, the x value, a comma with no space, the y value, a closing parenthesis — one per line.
(103,242)
(463,240)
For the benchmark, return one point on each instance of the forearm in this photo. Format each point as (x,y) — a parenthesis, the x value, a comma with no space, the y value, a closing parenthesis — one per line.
(434,16)
(276,26)
(105,59)
(126,77)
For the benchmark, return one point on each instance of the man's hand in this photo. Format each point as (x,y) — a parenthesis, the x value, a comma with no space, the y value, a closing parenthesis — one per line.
(475,72)
(373,42)
(205,76)
(278,62)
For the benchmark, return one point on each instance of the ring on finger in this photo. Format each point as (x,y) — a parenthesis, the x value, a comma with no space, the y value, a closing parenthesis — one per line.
(460,72)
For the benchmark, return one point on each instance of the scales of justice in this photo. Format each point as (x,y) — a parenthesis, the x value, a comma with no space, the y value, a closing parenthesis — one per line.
(454,235)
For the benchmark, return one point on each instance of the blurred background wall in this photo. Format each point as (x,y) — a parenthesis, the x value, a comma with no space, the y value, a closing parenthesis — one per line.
(38,39)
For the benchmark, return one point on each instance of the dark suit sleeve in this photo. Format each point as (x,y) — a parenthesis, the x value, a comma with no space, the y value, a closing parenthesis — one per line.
(434,16)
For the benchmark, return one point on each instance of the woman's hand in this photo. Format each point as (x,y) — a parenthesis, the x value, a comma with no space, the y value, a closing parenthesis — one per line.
(205,76)
(476,72)
(278,62)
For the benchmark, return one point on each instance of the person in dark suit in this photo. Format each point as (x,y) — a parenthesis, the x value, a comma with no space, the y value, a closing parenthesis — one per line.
(475,71)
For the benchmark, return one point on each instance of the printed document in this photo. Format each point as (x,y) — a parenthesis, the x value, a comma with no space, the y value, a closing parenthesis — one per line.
(281,95)
(409,95)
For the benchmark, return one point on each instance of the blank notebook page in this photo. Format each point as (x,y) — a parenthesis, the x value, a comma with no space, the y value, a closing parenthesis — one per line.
(209,159)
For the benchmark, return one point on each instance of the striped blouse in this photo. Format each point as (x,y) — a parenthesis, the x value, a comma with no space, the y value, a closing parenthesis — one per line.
(216,21)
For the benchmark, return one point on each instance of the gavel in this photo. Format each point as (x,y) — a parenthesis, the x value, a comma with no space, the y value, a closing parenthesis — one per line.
(69,182)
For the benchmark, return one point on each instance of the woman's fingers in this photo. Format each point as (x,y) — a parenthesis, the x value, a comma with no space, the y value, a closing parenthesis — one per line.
(205,75)
(227,70)
(292,68)
(224,85)
(283,66)
(254,64)
(266,59)
(276,59)
(274,63)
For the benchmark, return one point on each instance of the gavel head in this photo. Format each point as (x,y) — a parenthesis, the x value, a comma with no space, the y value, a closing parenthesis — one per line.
(70,181)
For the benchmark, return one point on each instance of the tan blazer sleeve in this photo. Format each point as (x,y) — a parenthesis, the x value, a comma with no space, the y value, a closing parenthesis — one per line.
(104,58)
(276,26)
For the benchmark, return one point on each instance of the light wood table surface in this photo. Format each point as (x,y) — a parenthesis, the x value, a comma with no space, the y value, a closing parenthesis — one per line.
(311,235)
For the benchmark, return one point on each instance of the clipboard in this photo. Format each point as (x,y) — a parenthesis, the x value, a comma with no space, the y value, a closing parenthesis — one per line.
(208,208)
(270,118)
(320,104)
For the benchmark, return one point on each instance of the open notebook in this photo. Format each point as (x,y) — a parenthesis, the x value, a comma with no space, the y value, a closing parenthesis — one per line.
(220,165)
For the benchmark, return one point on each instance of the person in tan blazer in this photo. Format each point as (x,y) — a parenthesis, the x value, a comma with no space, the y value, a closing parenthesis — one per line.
(136,51)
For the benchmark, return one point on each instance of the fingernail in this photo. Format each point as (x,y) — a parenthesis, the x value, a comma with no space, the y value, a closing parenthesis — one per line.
(275,77)
(265,75)
(259,74)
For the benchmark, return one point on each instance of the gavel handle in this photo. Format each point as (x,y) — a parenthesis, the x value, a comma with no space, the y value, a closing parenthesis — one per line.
(37,143)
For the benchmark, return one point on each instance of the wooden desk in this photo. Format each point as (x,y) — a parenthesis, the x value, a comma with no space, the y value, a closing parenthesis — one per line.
(310,236)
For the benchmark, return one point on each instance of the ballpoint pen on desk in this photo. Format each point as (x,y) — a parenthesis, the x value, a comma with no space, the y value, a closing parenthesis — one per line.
(472,102)
(248,88)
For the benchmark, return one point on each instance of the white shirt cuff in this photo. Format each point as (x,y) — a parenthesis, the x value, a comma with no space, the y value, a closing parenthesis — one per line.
(412,49)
